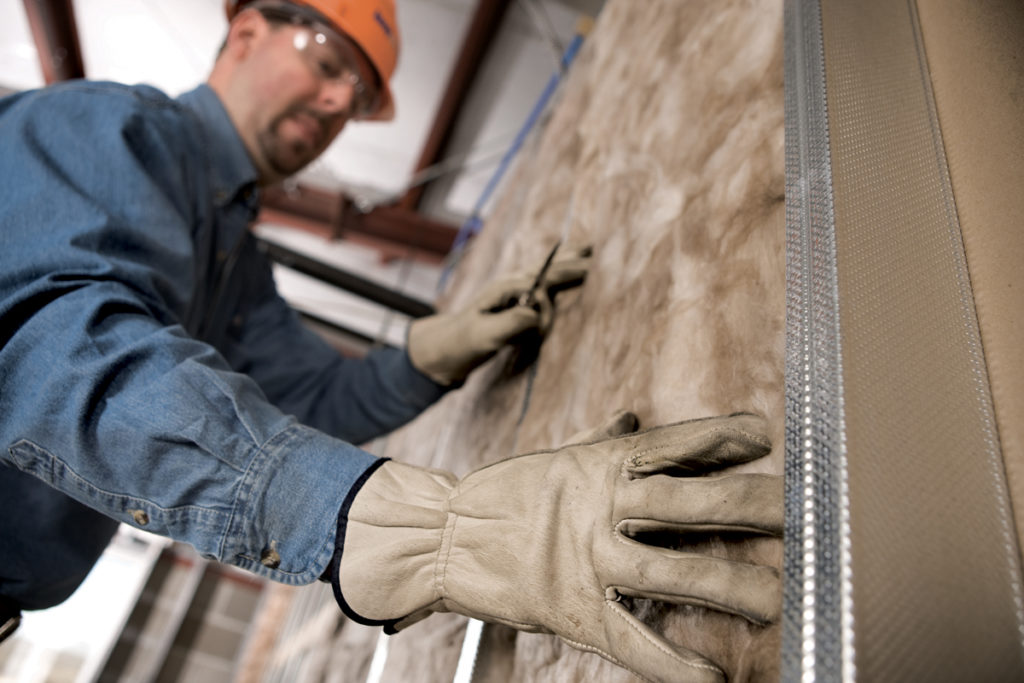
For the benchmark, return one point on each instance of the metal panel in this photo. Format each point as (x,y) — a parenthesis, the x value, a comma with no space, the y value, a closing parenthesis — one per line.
(931,545)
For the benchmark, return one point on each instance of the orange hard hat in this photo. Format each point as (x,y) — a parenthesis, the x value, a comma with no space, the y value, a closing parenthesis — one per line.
(370,24)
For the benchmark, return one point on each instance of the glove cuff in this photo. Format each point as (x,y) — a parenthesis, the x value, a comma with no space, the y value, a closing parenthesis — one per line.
(331,574)
(389,537)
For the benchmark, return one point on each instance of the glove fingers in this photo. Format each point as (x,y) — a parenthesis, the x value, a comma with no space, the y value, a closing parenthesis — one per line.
(751,591)
(698,445)
(503,293)
(569,269)
(564,273)
(635,646)
(546,314)
(498,328)
(622,422)
(740,502)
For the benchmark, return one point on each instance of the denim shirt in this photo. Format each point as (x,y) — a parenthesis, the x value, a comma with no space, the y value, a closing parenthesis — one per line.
(149,371)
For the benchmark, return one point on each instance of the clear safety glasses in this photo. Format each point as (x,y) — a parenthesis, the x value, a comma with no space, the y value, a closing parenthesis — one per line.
(333,58)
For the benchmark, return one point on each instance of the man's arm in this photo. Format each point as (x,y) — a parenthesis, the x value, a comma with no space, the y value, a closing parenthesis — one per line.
(360,399)
(352,399)
(103,395)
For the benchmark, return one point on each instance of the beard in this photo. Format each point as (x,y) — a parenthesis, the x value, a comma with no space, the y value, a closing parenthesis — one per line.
(288,156)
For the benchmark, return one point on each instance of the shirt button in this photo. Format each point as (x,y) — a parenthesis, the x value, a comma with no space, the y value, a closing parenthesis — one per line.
(140,517)
(270,558)
(222,255)
(237,320)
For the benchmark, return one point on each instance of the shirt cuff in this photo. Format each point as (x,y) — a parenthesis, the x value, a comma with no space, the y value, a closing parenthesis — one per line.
(284,520)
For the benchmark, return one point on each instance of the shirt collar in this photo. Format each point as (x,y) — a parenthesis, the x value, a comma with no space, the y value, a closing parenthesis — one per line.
(234,176)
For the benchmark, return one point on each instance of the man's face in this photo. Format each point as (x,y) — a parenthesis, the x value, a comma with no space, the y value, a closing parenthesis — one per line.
(293,94)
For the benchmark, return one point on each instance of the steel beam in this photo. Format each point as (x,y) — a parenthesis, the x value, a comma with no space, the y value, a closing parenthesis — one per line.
(479,37)
(56,37)
(333,214)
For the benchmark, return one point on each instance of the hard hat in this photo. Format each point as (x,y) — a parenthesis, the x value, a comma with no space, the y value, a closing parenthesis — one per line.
(370,24)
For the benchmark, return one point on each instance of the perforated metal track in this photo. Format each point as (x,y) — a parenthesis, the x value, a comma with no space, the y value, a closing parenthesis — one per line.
(816,643)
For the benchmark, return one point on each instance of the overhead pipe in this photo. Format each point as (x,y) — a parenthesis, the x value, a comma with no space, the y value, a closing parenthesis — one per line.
(356,284)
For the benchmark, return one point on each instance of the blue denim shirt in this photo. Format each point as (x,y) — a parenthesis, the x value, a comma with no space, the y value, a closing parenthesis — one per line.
(149,371)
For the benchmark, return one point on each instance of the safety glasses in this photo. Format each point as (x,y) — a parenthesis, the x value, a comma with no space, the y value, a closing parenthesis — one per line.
(333,58)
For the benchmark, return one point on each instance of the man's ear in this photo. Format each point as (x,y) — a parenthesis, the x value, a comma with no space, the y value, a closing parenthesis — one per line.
(246,29)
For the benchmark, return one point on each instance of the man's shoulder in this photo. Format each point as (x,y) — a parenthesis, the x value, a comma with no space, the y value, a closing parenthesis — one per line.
(100,91)
(96,132)
(104,101)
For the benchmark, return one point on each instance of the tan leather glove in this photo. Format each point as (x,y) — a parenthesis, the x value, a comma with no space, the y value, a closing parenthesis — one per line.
(448,346)
(544,542)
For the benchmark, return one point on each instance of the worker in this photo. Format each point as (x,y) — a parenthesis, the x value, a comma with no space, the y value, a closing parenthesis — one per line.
(151,375)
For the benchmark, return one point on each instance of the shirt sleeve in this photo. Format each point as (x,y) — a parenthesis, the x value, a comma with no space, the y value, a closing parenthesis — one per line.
(103,395)
(355,399)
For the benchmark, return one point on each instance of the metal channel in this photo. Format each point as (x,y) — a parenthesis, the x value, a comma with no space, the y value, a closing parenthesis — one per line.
(817,640)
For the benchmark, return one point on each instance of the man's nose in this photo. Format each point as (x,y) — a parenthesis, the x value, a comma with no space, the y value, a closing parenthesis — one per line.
(336,96)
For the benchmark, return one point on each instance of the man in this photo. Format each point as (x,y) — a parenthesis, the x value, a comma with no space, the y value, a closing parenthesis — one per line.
(150,374)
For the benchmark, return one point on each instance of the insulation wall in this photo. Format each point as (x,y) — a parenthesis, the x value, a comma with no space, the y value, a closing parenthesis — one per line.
(665,153)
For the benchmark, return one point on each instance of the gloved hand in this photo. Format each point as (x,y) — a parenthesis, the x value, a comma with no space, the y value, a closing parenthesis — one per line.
(448,346)
(544,542)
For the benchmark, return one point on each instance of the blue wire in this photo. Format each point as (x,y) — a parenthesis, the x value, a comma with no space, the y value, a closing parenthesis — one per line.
(475,222)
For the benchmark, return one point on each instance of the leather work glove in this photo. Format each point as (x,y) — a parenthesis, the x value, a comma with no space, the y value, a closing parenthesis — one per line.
(547,541)
(448,346)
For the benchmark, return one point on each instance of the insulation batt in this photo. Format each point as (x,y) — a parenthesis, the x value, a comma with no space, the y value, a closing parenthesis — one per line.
(665,152)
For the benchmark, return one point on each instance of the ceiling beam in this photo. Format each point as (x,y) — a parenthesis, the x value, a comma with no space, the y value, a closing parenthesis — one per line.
(393,230)
(478,39)
(56,37)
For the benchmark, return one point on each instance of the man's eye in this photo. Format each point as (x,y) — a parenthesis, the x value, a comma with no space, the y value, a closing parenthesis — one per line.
(327,68)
